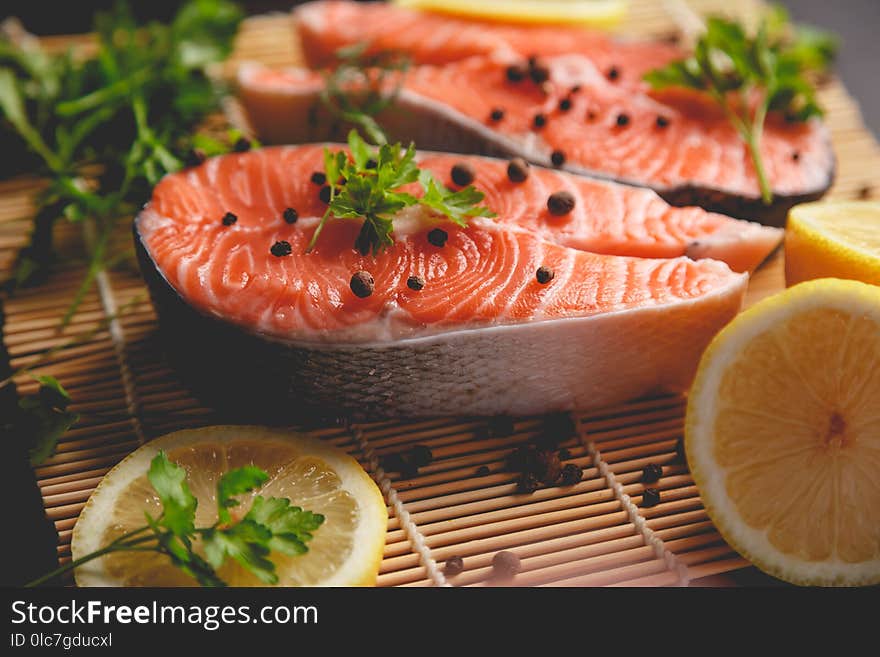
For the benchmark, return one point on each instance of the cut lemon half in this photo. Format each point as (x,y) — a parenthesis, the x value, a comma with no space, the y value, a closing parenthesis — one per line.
(838,239)
(346,549)
(598,13)
(783,433)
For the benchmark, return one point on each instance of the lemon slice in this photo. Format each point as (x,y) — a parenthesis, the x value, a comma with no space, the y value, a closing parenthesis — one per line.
(346,549)
(783,433)
(599,13)
(835,239)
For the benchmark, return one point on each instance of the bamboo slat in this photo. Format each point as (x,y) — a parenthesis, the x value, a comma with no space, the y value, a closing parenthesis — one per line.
(581,535)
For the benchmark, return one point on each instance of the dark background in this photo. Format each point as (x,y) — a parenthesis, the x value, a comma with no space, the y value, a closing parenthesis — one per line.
(857,22)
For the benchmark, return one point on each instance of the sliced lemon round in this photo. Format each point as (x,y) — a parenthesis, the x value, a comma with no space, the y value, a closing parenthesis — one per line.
(836,239)
(346,549)
(783,433)
(598,13)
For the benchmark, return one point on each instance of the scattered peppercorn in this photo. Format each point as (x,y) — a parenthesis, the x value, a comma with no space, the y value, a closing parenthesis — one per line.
(650,497)
(564,453)
(532,61)
(795,156)
(575,89)
(527,484)
(453,566)
(318,178)
(613,73)
(565,104)
(462,174)
(518,170)
(438,237)
(229,219)
(865,192)
(662,122)
(651,473)
(415,283)
(501,426)
(557,158)
(515,73)
(622,120)
(482,471)
(539,73)
(371,164)
(506,564)
(544,275)
(571,474)
(242,145)
(281,248)
(290,215)
(496,115)
(362,284)
(539,121)
(324,194)
(421,455)
(560,203)
(591,115)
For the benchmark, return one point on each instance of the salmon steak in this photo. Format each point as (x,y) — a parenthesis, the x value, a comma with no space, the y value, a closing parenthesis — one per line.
(547,306)
(675,142)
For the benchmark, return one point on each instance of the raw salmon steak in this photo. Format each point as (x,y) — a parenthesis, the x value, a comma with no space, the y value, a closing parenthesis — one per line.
(676,142)
(483,334)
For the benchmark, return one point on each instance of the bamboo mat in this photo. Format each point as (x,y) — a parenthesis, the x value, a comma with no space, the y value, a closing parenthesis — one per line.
(593,533)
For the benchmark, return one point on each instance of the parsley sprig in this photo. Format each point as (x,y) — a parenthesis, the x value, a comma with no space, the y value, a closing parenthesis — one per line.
(270,525)
(366,186)
(774,65)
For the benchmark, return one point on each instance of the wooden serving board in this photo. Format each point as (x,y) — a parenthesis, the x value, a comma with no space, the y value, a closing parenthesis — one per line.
(594,533)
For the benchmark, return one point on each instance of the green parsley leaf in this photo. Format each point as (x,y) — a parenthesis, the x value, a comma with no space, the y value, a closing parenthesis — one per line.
(457,206)
(247,543)
(178,502)
(291,527)
(236,482)
(45,418)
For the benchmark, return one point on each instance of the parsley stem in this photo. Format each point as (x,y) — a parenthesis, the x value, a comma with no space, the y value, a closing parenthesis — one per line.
(117,90)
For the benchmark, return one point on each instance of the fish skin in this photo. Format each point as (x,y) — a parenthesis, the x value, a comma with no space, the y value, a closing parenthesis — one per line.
(646,339)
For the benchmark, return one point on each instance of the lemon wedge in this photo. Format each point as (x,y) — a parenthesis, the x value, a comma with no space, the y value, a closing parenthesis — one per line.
(598,13)
(346,549)
(783,433)
(839,239)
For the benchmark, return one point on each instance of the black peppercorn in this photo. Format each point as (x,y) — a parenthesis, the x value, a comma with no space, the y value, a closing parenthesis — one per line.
(539,121)
(527,484)
(662,122)
(496,115)
(229,219)
(415,283)
(518,170)
(482,471)
(453,566)
(557,158)
(651,473)
(318,178)
(565,104)
(462,174)
(575,89)
(438,237)
(544,275)
(539,73)
(515,73)
(362,284)
(650,497)
(324,194)
(195,157)
(865,192)
(421,455)
(505,564)
(622,120)
(281,248)
(613,73)
(560,203)
(795,156)
(242,145)
(571,474)
(591,115)
(290,215)
(371,164)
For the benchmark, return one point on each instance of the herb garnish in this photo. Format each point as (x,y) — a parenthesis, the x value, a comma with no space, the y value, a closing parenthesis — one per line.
(735,69)
(365,186)
(360,86)
(104,129)
(271,524)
